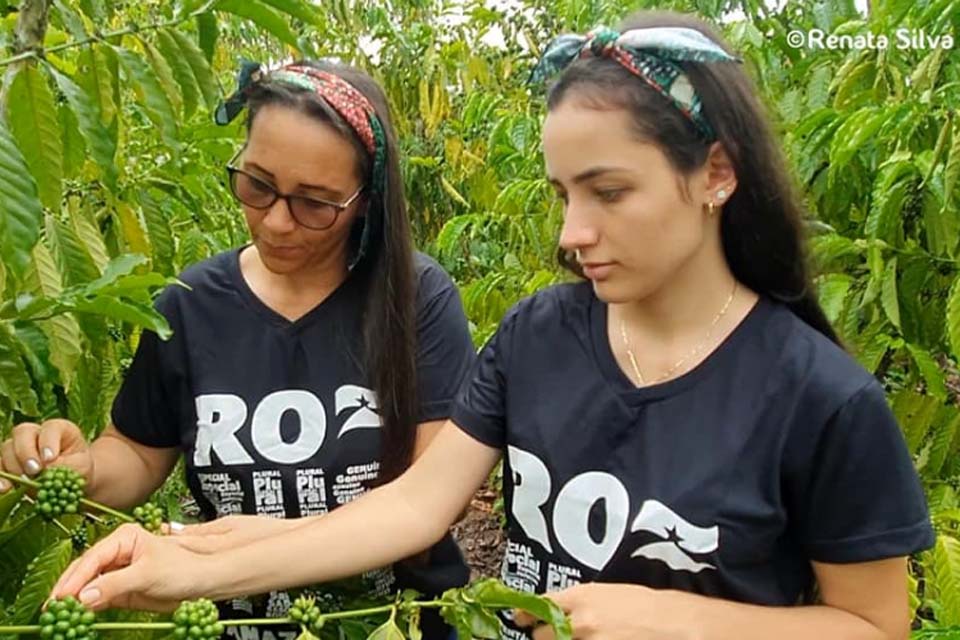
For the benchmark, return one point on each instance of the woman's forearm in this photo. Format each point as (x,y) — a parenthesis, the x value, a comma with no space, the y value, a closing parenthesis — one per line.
(726,620)
(317,552)
(121,477)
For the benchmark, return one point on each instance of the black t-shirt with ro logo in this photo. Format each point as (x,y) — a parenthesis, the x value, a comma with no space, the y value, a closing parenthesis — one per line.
(277,417)
(776,450)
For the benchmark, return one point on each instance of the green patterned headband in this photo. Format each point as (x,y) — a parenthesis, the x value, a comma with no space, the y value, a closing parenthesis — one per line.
(650,53)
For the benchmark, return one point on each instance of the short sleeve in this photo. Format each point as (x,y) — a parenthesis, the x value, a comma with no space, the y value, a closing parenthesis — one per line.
(147,407)
(859,497)
(445,351)
(481,406)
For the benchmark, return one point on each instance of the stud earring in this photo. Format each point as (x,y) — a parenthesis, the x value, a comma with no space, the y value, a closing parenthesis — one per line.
(722,194)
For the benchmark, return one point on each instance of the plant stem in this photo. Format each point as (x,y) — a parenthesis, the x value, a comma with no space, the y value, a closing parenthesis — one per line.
(87,503)
(127,626)
(33,53)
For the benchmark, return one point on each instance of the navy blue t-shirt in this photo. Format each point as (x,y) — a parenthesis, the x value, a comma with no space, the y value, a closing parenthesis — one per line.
(277,417)
(776,450)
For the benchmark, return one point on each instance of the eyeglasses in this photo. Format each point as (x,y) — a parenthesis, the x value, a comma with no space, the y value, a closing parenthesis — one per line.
(312,213)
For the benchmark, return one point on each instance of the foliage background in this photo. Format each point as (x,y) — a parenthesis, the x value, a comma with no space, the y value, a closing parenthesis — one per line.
(111,182)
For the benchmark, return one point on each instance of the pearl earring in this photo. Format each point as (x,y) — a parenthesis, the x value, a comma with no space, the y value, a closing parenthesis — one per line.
(722,194)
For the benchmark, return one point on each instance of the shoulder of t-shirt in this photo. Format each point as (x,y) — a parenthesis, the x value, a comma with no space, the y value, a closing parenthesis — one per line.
(560,306)
(828,375)
(212,274)
(432,279)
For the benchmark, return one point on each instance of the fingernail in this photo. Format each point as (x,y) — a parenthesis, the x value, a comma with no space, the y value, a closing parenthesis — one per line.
(89,596)
(32,466)
(47,454)
(176,527)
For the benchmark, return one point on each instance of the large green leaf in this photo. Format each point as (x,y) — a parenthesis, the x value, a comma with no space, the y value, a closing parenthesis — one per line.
(164,72)
(89,234)
(264,16)
(181,71)
(62,330)
(296,8)
(929,370)
(100,142)
(832,290)
(946,579)
(44,572)
(200,66)
(151,95)
(20,209)
(136,313)
(953,317)
(15,381)
(32,117)
(95,75)
(888,293)
(157,218)
(208,32)
(76,264)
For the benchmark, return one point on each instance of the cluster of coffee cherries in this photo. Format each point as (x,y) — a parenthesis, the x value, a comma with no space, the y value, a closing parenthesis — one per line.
(60,491)
(67,619)
(150,516)
(306,612)
(197,620)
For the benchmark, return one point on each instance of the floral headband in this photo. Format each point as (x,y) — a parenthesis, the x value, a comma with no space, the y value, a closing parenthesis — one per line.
(650,53)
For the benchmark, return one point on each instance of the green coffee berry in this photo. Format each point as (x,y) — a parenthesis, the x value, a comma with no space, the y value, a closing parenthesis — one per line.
(150,516)
(197,620)
(67,619)
(79,538)
(60,492)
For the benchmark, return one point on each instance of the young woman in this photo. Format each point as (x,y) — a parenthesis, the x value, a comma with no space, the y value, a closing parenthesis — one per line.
(689,453)
(306,367)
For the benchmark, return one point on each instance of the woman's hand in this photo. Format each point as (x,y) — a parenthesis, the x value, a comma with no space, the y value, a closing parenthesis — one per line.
(617,612)
(230,531)
(134,569)
(33,447)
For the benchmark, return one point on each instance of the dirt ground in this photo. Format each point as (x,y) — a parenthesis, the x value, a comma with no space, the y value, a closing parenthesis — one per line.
(480,536)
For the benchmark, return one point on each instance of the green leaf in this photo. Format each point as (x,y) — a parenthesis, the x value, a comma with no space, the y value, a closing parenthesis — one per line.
(15,382)
(888,293)
(953,318)
(32,117)
(262,15)
(117,268)
(90,235)
(946,579)
(832,289)
(8,502)
(930,370)
(44,572)
(100,142)
(76,265)
(942,441)
(162,69)
(94,75)
(20,209)
(62,330)
(296,8)
(136,313)
(201,68)
(158,228)
(951,174)
(181,71)
(387,631)
(493,594)
(207,34)
(74,146)
(915,413)
(151,95)
(71,20)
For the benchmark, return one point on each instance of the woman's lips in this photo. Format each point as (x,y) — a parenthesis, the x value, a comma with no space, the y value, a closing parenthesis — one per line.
(597,270)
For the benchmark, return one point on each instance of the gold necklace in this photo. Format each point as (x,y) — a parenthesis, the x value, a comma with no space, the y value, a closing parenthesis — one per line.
(697,349)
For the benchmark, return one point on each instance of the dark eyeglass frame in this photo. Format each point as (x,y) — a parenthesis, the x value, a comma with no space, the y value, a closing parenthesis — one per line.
(232,170)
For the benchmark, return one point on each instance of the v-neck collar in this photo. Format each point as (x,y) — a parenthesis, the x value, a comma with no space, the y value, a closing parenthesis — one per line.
(603,351)
(269,314)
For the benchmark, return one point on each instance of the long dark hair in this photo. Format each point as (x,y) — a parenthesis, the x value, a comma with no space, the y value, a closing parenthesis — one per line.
(385,271)
(760,227)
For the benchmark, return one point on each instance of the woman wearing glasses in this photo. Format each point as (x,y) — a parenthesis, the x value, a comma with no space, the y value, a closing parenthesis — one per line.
(306,367)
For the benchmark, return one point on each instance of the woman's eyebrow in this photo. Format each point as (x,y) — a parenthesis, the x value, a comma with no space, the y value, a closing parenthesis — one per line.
(300,186)
(583,176)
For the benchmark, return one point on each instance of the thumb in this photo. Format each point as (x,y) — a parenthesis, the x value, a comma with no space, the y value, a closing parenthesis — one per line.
(523,618)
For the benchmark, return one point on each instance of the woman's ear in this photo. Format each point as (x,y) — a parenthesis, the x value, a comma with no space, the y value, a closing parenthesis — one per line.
(721,178)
